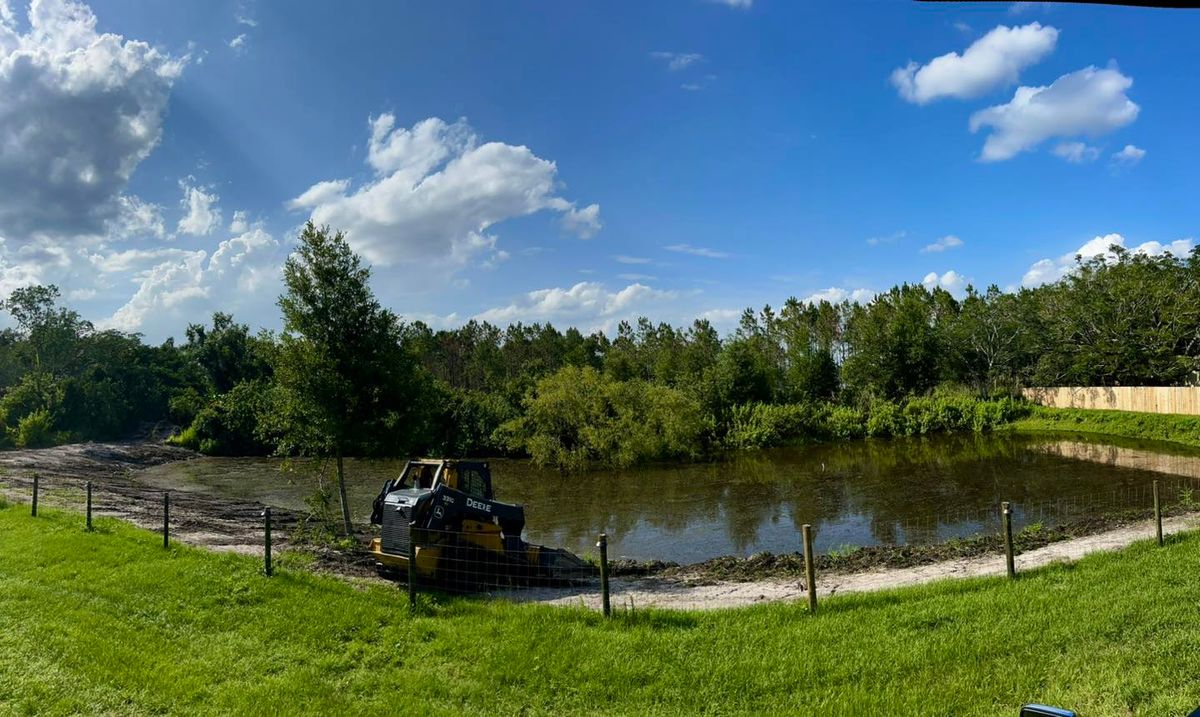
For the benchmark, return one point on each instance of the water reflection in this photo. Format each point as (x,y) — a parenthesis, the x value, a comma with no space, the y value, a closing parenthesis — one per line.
(858,493)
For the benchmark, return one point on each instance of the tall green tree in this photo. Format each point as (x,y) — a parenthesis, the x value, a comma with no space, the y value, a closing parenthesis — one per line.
(344,383)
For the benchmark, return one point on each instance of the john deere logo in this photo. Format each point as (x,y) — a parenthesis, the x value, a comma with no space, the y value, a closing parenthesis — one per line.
(479,505)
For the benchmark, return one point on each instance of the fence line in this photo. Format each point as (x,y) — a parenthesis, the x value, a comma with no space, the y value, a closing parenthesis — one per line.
(462,562)
(1145,399)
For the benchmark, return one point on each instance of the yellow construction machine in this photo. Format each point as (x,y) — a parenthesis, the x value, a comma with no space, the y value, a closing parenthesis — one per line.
(443,515)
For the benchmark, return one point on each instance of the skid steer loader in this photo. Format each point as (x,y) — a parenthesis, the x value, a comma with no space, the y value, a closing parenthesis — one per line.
(443,513)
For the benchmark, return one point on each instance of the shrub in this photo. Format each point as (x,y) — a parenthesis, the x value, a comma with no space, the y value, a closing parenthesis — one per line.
(578,417)
(35,430)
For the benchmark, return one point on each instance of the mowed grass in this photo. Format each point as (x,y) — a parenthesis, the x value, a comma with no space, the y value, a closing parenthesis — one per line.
(109,622)
(1175,428)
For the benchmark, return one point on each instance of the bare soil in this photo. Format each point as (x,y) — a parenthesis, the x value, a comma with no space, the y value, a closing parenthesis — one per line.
(196,518)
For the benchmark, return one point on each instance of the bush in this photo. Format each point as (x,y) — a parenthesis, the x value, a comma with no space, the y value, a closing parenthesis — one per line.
(229,426)
(761,425)
(35,430)
(845,423)
(578,417)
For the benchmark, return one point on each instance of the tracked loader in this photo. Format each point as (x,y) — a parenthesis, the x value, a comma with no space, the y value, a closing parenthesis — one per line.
(444,514)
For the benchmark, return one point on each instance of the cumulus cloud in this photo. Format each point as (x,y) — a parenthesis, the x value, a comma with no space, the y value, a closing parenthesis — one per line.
(1045,271)
(994,60)
(436,192)
(1076,152)
(951,281)
(81,110)
(1088,102)
(201,215)
(239,223)
(697,251)
(1129,154)
(947,242)
(175,285)
(586,302)
(677,60)
(836,295)
(136,219)
(584,223)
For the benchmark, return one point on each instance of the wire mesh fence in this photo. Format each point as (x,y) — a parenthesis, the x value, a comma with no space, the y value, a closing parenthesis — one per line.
(479,559)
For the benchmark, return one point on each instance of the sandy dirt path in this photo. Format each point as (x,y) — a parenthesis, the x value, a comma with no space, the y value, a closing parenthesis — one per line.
(678,594)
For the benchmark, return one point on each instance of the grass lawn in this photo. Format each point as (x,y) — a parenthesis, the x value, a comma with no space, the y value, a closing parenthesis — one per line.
(1175,428)
(109,622)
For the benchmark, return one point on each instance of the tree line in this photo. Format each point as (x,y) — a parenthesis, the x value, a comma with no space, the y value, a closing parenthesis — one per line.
(346,376)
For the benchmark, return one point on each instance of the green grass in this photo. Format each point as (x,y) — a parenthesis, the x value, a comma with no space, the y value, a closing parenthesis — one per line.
(1180,429)
(109,622)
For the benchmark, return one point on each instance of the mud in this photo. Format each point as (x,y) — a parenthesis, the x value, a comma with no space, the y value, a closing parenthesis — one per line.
(196,518)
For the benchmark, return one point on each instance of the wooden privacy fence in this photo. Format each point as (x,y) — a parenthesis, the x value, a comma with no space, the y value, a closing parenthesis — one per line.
(1147,399)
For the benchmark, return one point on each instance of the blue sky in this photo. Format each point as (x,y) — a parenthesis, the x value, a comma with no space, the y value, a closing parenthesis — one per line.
(583,163)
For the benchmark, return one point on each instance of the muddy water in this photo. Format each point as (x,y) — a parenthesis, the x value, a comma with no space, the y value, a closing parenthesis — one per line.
(855,493)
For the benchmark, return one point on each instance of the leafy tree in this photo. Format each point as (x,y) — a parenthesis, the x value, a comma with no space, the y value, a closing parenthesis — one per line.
(344,382)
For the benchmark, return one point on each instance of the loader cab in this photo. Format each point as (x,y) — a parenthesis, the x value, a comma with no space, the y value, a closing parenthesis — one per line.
(471,477)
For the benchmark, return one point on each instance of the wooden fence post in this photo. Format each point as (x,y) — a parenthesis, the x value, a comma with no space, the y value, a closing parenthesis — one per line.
(89,505)
(810,570)
(267,541)
(33,508)
(605,607)
(1006,516)
(1157,516)
(166,519)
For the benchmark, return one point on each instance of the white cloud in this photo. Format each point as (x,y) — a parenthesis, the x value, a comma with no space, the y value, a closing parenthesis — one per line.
(1088,102)
(240,223)
(994,60)
(81,110)
(202,215)
(636,277)
(243,271)
(678,60)
(697,251)
(586,302)
(836,295)
(947,242)
(584,223)
(136,219)
(626,259)
(1045,271)
(951,281)
(1076,152)
(436,193)
(739,4)
(1129,155)
(239,42)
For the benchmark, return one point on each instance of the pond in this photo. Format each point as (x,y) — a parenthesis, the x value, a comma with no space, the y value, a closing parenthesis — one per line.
(858,493)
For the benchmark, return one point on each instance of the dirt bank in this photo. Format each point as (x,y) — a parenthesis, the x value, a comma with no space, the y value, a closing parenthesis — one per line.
(196,518)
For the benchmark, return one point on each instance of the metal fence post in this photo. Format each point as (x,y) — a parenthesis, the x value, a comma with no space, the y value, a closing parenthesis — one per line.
(810,570)
(166,519)
(33,509)
(89,505)
(1157,516)
(267,541)
(605,606)
(412,568)
(1006,516)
